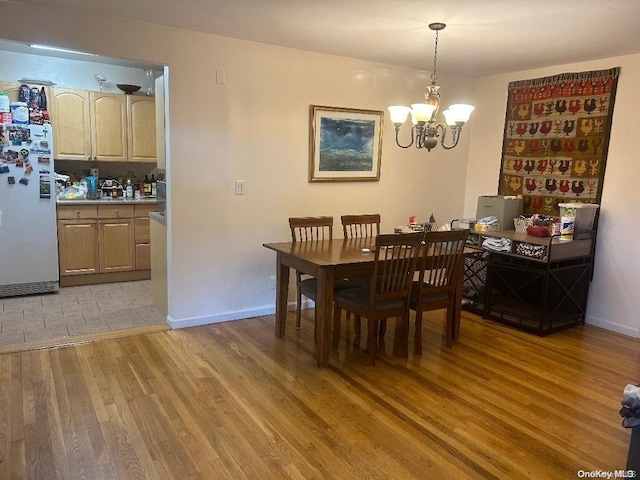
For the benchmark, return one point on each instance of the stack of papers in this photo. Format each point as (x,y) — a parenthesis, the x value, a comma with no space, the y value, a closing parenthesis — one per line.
(497,244)
(491,221)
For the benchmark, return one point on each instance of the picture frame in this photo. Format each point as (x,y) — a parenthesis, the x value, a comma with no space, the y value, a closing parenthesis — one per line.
(345,144)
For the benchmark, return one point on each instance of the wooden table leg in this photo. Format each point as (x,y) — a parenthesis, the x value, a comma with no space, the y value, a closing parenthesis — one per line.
(458,307)
(324,310)
(282,295)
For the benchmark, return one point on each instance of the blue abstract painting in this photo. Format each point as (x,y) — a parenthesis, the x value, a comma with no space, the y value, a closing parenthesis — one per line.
(346,144)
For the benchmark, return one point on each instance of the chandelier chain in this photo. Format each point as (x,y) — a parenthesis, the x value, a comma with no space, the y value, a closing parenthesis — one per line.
(434,75)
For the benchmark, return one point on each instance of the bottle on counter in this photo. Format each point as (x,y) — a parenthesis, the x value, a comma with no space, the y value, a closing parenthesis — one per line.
(129,188)
(153,186)
(146,186)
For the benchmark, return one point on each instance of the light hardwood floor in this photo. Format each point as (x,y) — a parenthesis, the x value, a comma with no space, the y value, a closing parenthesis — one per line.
(231,401)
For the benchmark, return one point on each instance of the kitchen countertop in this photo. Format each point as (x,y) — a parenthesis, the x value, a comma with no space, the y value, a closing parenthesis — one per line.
(158,217)
(109,200)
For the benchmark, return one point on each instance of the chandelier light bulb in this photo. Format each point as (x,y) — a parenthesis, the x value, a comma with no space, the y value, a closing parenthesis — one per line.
(423,111)
(458,113)
(398,113)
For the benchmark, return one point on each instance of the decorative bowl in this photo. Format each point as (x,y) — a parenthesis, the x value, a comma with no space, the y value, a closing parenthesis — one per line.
(128,89)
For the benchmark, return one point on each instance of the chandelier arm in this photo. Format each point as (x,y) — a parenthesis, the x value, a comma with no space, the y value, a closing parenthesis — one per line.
(443,131)
(398,137)
(419,136)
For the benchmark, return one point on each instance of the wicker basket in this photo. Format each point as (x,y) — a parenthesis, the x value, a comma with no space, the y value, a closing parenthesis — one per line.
(521,223)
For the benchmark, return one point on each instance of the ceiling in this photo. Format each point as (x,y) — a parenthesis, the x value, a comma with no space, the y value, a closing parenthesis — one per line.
(483,37)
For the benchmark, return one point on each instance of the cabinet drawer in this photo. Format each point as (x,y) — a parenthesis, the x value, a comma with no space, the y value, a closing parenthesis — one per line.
(143,257)
(145,210)
(77,212)
(115,211)
(142,234)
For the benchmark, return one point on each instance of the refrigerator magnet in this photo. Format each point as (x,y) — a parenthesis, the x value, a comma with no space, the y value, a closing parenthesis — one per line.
(45,186)
(4,138)
(11,180)
(4,168)
(28,170)
(19,163)
(24,181)
(42,159)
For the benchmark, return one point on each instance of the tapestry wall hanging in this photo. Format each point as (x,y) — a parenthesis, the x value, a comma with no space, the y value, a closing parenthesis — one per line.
(556,137)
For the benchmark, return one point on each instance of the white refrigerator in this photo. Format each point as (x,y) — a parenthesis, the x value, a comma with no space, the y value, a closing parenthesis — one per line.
(28,232)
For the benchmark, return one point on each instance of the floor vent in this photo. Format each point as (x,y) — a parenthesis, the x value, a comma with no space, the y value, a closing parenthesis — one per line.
(28,289)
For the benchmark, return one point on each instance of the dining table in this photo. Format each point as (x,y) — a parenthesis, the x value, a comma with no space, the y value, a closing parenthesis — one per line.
(327,261)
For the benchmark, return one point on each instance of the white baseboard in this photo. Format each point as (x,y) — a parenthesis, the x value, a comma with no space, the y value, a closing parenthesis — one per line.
(229,316)
(615,327)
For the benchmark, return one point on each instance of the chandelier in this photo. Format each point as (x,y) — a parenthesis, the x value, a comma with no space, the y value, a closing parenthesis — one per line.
(425,131)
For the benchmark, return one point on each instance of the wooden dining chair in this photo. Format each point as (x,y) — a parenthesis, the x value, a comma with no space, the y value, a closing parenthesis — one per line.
(440,267)
(355,226)
(387,295)
(305,229)
(367,225)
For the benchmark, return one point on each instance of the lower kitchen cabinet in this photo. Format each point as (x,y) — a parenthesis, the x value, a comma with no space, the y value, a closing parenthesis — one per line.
(78,247)
(142,236)
(102,243)
(115,245)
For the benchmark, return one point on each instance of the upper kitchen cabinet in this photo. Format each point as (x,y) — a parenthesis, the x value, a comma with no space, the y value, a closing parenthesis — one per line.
(70,117)
(103,126)
(141,128)
(12,89)
(88,125)
(109,131)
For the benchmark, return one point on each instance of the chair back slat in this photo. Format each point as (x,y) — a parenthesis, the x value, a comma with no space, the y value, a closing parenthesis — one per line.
(443,255)
(395,262)
(367,225)
(305,229)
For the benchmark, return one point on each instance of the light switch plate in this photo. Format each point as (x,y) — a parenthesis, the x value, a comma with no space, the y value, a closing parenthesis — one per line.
(239,187)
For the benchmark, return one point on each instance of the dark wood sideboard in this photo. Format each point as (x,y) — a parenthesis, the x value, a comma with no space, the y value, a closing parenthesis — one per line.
(541,284)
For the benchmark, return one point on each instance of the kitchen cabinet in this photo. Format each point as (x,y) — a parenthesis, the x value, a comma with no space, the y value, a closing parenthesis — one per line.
(12,89)
(102,126)
(115,243)
(142,236)
(108,126)
(103,240)
(141,128)
(115,238)
(71,121)
(78,240)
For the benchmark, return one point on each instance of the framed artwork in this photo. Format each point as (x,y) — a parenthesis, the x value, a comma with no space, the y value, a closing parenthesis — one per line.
(345,144)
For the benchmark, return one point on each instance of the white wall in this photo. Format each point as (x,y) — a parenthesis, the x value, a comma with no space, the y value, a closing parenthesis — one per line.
(255,127)
(68,73)
(614,301)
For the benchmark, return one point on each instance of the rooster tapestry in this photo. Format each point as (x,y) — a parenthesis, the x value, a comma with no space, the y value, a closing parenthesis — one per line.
(556,137)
